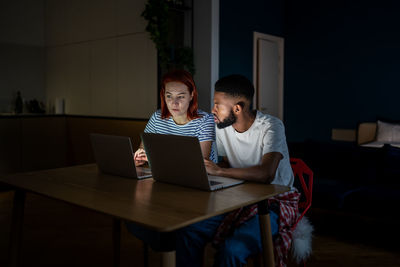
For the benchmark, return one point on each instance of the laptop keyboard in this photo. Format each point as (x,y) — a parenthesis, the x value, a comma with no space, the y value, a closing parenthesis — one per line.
(214,182)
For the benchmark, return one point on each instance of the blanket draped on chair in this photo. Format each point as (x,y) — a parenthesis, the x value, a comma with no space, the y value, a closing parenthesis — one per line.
(288,214)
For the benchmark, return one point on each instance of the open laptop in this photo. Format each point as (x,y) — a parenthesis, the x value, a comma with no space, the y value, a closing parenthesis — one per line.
(114,155)
(178,160)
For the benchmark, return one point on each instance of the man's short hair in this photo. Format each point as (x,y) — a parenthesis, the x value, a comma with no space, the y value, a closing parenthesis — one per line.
(236,85)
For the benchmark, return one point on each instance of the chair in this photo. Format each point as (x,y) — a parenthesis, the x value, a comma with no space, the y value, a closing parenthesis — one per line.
(303,176)
(304,183)
(299,169)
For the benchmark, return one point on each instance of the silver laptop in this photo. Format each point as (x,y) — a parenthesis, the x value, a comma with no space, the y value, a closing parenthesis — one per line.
(114,155)
(178,160)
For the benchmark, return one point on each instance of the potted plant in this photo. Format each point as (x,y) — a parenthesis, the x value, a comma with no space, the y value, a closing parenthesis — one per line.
(157,14)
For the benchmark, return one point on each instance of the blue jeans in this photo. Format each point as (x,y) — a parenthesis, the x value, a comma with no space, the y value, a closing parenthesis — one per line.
(191,240)
(234,251)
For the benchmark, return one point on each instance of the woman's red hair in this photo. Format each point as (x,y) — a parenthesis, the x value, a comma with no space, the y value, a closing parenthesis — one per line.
(186,78)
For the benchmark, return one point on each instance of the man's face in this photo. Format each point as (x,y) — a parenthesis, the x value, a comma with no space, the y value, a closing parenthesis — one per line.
(223,110)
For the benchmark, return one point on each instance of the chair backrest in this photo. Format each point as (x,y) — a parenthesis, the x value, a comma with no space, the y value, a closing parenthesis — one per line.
(303,173)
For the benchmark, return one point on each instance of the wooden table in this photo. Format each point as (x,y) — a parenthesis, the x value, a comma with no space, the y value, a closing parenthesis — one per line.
(158,206)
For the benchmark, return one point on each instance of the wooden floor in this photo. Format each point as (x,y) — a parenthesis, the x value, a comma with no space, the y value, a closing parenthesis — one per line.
(59,234)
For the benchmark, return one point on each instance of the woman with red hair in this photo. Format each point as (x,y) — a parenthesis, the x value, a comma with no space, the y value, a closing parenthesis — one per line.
(179,115)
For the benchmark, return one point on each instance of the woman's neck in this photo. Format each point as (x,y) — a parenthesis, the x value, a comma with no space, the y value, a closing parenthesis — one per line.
(181,120)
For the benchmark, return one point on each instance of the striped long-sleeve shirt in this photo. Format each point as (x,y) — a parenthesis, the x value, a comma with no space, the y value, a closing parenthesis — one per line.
(203,128)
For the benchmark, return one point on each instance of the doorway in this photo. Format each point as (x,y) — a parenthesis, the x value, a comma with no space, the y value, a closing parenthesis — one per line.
(268,60)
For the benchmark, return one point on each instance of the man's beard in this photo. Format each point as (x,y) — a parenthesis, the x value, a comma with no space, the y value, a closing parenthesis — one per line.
(228,121)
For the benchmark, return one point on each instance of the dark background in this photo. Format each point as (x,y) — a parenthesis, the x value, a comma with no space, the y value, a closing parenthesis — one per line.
(341,59)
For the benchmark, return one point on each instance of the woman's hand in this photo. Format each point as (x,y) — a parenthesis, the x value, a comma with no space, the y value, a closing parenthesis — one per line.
(140,157)
(211,167)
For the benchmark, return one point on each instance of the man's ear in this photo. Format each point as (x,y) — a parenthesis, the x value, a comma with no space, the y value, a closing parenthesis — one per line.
(237,108)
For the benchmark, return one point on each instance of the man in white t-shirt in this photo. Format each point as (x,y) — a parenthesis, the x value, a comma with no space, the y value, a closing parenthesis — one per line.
(253,147)
(252,144)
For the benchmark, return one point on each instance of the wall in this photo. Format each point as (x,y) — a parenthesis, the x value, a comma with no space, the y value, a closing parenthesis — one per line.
(342,61)
(206,49)
(32,143)
(99,58)
(238,21)
(22,52)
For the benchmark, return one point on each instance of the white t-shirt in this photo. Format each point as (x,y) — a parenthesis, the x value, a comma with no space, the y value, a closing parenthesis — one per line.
(266,134)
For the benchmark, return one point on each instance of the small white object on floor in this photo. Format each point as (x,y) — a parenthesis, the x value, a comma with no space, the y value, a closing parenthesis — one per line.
(302,240)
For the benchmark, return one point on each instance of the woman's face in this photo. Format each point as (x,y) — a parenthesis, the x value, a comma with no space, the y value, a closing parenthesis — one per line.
(177,98)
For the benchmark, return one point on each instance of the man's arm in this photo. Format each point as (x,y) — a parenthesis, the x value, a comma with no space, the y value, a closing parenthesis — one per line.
(264,173)
(224,163)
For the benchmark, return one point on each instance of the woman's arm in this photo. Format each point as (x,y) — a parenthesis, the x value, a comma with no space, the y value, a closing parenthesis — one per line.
(140,156)
(206,149)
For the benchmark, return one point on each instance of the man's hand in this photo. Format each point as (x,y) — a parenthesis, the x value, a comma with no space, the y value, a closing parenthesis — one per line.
(211,167)
(140,157)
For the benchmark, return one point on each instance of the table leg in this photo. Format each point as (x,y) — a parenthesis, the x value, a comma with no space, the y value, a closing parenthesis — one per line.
(16,228)
(266,234)
(168,259)
(117,241)
(168,249)
(145,255)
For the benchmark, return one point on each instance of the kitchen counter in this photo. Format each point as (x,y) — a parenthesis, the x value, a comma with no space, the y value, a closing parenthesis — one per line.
(29,115)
